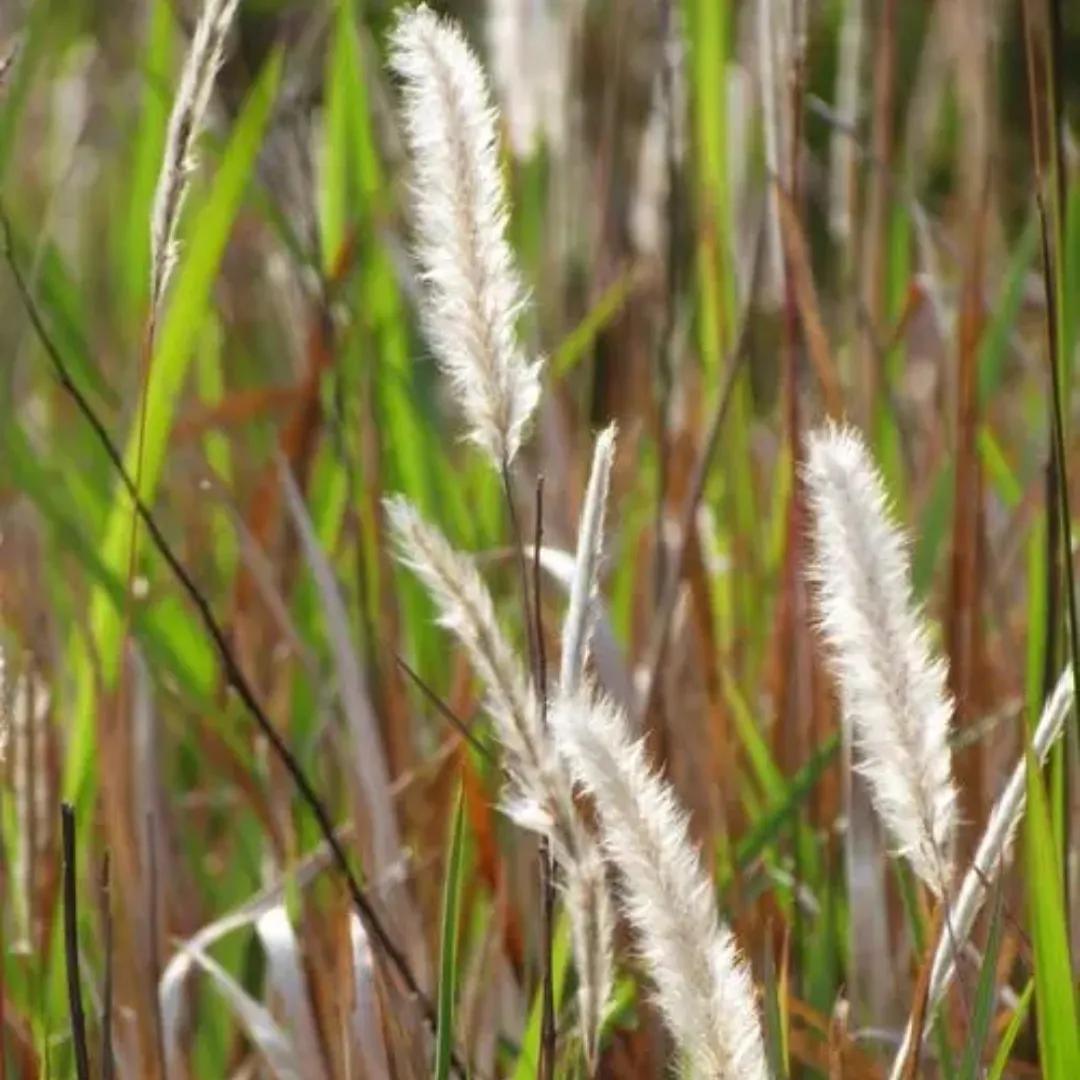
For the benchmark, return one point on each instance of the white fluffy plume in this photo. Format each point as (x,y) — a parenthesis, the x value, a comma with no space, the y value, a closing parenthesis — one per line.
(577,626)
(892,688)
(185,125)
(992,854)
(474,294)
(703,986)
(541,798)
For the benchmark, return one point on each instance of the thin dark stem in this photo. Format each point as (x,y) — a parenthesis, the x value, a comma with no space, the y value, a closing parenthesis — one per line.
(1051,253)
(443,709)
(71,944)
(523,574)
(155,942)
(547,866)
(234,676)
(3,941)
(108,1060)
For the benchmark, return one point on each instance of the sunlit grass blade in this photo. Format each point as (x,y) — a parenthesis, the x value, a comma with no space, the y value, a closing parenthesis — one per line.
(1008,1040)
(1055,995)
(979,1029)
(529,1054)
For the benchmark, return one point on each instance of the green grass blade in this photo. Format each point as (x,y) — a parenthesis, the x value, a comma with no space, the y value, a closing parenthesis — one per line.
(448,965)
(182,322)
(984,997)
(1008,1040)
(1058,1030)
(774,819)
(529,1055)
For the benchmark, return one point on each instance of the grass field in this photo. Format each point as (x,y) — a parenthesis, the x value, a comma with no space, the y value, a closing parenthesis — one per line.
(329,813)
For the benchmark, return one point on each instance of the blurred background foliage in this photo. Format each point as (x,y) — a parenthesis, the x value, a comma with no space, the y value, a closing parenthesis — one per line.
(893,274)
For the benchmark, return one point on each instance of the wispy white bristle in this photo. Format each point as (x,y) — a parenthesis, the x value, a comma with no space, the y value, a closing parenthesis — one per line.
(474,295)
(541,798)
(178,162)
(993,853)
(577,627)
(892,688)
(703,986)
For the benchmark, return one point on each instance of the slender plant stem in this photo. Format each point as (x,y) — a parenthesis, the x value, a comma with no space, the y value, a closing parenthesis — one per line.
(443,709)
(108,1058)
(547,864)
(155,944)
(523,574)
(1051,252)
(71,943)
(537,663)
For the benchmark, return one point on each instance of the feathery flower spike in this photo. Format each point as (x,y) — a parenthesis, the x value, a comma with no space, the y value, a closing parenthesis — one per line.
(473,292)
(541,798)
(703,986)
(204,58)
(892,689)
(577,627)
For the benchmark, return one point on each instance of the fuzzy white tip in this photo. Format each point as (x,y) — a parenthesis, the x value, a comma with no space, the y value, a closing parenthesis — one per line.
(703,986)
(474,295)
(892,688)
(577,626)
(178,161)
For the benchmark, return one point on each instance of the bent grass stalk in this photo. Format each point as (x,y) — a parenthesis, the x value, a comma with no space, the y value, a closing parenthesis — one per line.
(992,854)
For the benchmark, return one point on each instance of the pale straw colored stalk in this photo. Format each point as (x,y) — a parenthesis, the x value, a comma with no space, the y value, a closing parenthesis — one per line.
(580,612)
(178,162)
(703,986)
(993,852)
(587,896)
(892,688)
(473,293)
